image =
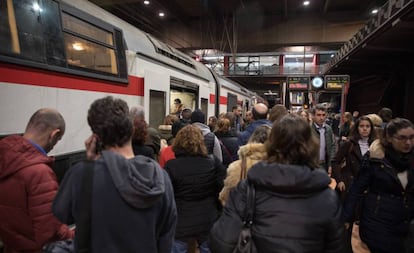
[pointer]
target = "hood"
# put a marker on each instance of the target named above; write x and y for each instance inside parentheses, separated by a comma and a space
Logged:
(376, 150)
(17, 153)
(254, 151)
(203, 127)
(140, 180)
(294, 180)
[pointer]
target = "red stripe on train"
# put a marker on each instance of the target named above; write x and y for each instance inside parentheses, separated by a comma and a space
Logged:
(223, 100)
(38, 77)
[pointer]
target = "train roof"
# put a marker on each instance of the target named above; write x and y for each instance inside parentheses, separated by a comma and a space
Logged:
(143, 44)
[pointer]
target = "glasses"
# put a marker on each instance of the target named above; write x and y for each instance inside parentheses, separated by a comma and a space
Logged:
(403, 138)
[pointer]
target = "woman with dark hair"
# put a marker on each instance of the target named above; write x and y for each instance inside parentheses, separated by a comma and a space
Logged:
(139, 138)
(197, 180)
(387, 174)
(348, 159)
(295, 210)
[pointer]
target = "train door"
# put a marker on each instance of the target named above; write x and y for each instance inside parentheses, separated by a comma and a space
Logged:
(204, 106)
(185, 91)
(157, 108)
(231, 101)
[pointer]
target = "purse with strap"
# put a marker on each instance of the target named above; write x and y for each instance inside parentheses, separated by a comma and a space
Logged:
(245, 243)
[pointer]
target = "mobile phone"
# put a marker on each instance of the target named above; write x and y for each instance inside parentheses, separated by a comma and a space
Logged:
(98, 146)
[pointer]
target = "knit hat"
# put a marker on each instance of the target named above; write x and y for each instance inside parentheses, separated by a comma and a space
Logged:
(198, 116)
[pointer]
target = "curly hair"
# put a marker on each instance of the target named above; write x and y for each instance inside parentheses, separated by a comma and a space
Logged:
(190, 140)
(291, 142)
(110, 120)
(140, 134)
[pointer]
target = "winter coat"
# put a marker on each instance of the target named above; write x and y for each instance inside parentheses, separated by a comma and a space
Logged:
(253, 153)
(330, 146)
(245, 135)
(295, 211)
(229, 147)
(387, 207)
(133, 208)
(351, 151)
(27, 189)
(197, 181)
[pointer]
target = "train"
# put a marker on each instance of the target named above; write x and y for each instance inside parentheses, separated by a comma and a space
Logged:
(65, 54)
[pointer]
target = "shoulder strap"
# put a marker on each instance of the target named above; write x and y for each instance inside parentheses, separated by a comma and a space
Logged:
(243, 171)
(226, 150)
(250, 205)
(83, 227)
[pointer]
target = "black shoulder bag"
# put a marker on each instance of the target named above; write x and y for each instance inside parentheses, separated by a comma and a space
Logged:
(245, 243)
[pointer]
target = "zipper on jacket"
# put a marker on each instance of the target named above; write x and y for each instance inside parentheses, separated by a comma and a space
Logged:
(377, 204)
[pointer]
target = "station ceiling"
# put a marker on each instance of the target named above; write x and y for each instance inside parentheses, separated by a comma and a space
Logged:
(376, 56)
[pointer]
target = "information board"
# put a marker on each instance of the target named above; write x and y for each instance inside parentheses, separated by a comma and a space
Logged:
(336, 82)
(298, 82)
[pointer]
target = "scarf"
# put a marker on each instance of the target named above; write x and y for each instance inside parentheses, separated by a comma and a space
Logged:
(400, 161)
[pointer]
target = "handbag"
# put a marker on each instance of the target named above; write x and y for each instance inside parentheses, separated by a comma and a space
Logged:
(83, 228)
(245, 243)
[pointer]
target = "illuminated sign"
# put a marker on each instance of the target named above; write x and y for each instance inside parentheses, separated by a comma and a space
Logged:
(298, 82)
(336, 82)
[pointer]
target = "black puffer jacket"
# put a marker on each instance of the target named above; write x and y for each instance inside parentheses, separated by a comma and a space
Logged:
(197, 182)
(296, 211)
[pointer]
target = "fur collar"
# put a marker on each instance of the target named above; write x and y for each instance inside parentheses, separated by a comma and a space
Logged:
(251, 148)
(376, 150)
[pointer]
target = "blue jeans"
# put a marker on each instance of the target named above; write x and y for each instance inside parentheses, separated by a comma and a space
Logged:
(182, 247)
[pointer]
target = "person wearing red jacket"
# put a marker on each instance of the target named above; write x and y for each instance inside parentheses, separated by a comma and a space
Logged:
(28, 185)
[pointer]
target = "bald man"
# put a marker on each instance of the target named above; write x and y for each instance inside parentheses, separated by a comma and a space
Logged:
(259, 117)
(28, 185)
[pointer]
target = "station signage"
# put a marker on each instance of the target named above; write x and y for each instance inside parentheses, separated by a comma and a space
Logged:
(336, 82)
(298, 82)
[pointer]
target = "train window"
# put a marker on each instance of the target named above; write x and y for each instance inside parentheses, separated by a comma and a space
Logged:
(56, 36)
(88, 46)
(31, 31)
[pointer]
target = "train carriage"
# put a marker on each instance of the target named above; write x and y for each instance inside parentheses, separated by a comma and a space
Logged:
(65, 54)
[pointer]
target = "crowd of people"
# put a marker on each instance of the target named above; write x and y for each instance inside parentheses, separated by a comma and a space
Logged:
(317, 182)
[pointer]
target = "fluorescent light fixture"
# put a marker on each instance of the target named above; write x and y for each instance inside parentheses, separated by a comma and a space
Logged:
(306, 3)
(146, 2)
(332, 55)
(374, 11)
(161, 14)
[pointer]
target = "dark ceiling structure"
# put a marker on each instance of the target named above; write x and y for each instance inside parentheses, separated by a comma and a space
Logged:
(216, 15)
(374, 53)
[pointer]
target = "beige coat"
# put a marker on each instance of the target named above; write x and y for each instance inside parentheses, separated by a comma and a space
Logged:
(253, 153)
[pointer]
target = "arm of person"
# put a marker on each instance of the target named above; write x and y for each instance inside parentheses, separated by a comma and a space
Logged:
(335, 232)
(225, 232)
(217, 149)
(41, 192)
(167, 220)
(358, 186)
(337, 162)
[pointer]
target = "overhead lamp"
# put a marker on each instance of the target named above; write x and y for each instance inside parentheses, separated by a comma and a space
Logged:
(306, 3)
(374, 11)
(146, 2)
(161, 14)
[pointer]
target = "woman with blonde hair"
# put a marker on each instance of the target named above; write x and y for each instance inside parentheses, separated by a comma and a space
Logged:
(251, 153)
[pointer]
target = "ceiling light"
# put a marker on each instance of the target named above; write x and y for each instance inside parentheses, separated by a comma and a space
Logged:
(374, 11)
(78, 46)
(306, 3)
(146, 2)
(161, 14)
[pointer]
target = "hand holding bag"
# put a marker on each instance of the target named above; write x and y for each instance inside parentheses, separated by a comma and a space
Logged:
(245, 243)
